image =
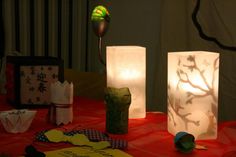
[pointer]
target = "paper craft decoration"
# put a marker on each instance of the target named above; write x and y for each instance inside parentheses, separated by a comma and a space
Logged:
(61, 111)
(193, 93)
(86, 151)
(17, 121)
(29, 79)
(92, 134)
(117, 110)
(126, 67)
(77, 139)
(184, 142)
(62, 93)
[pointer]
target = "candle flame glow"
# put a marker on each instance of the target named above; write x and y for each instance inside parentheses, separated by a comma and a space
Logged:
(129, 74)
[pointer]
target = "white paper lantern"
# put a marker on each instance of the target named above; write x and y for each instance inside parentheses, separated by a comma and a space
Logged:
(193, 93)
(126, 67)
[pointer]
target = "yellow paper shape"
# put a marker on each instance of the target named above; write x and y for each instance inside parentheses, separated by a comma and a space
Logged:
(79, 139)
(99, 145)
(55, 136)
(86, 151)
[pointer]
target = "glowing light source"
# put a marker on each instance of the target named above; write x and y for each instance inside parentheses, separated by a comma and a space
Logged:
(193, 93)
(126, 67)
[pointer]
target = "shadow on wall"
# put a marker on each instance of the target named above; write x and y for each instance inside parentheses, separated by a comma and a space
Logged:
(87, 84)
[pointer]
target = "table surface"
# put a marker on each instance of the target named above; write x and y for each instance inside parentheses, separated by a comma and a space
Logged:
(147, 137)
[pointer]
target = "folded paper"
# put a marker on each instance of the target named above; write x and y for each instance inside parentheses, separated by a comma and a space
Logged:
(62, 93)
(184, 142)
(17, 121)
(86, 152)
(61, 111)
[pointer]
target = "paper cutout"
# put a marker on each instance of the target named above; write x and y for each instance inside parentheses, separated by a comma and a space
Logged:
(184, 142)
(200, 147)
(55, 135)
(62, 93)
(61, 111)
(17, 121)
(92, 134)
(86, 151)
(100, 145)
(77, 139)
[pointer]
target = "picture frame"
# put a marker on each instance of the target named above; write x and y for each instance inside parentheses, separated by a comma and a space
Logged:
(29, 78)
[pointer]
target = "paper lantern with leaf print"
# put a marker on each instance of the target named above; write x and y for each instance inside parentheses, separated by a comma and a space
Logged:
(193, 93)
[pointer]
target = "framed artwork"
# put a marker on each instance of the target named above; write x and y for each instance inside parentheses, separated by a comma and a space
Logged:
(29, 80)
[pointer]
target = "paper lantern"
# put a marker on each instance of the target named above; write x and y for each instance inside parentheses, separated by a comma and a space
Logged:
(126, 67)
(193, 93)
